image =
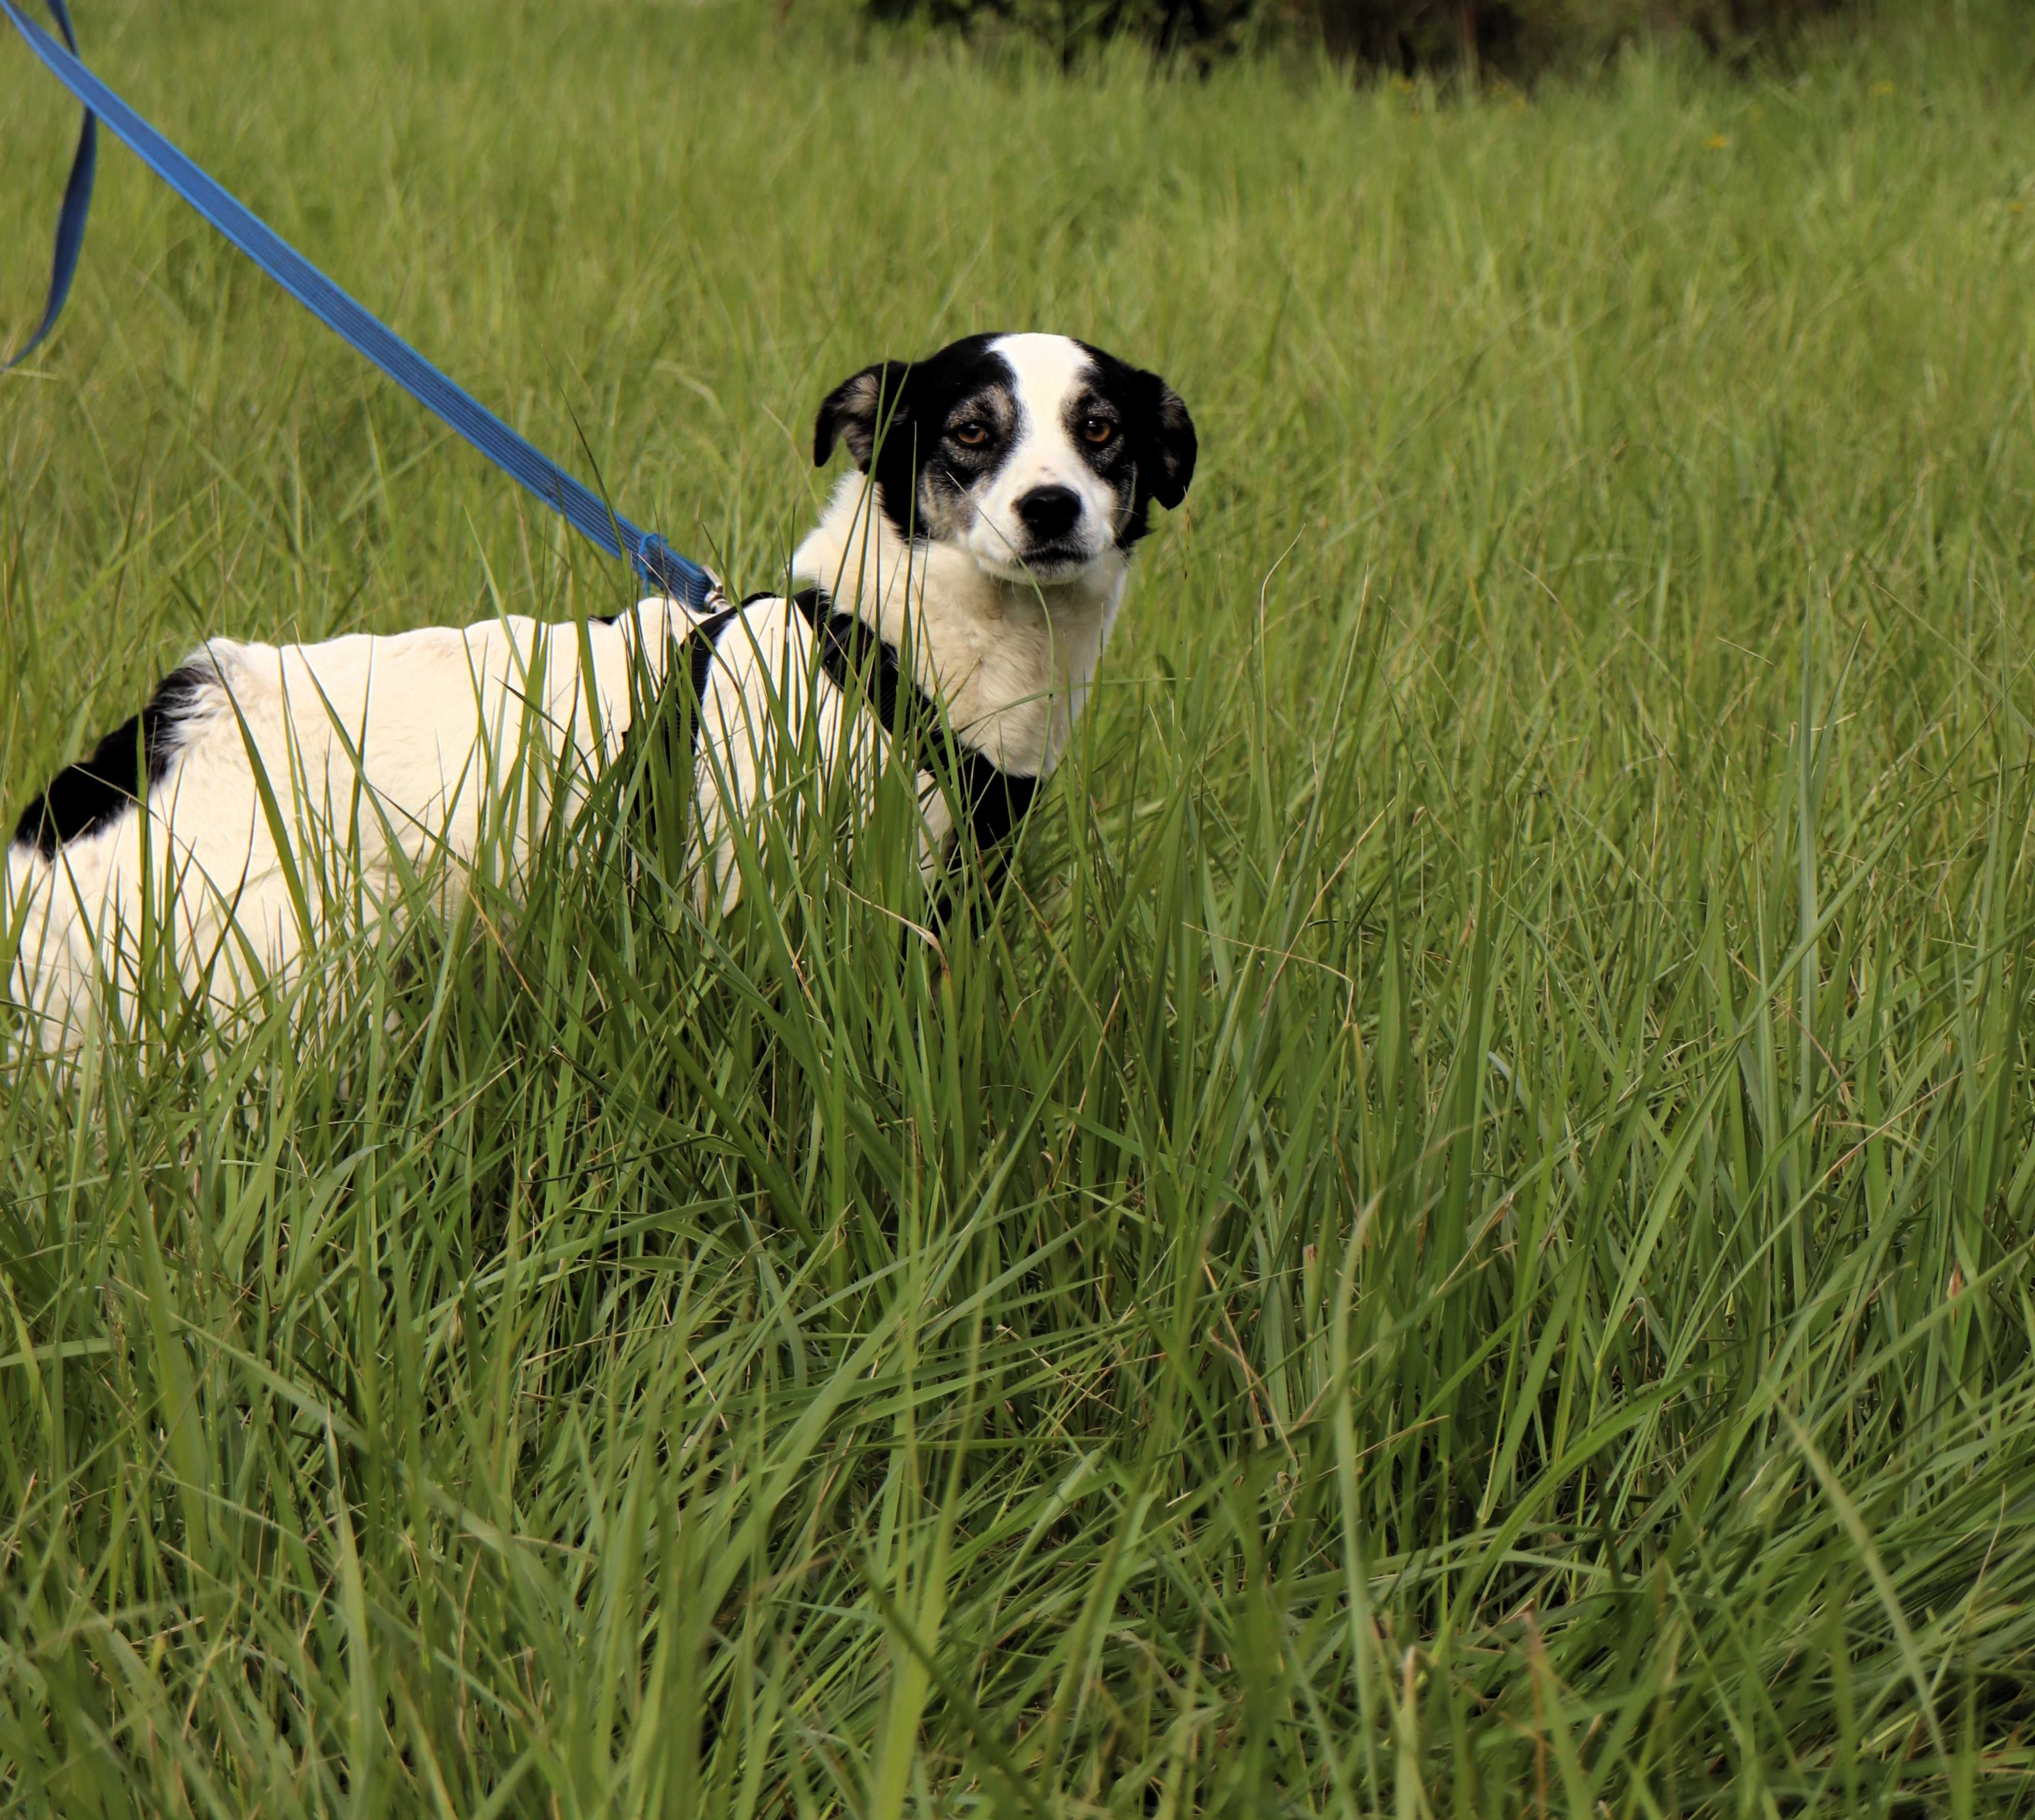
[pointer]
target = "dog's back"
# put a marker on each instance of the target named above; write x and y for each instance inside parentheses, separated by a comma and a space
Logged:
(262, 782)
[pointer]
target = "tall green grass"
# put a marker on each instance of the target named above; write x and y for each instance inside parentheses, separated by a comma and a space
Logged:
(1461, 1247)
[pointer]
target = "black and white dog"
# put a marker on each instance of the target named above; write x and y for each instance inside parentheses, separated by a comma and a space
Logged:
(975, 561)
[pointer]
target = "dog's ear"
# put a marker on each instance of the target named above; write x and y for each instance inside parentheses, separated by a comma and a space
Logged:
(857, 410)
(1171, 436)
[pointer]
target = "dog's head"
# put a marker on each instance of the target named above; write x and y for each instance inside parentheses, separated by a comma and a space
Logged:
(1037, 455)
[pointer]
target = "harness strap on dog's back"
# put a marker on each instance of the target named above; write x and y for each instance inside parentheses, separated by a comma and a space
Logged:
(657, 564)
(995, 801)
(702, 641)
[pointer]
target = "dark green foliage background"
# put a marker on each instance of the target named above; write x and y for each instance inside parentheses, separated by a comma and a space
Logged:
(1521, 37)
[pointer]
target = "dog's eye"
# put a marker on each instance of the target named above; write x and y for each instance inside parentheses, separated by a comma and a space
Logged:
(1096, 431)
(970, 435)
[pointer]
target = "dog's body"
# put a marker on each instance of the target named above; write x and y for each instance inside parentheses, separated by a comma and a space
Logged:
(976, 559)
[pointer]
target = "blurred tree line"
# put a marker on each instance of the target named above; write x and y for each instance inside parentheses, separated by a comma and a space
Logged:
(1514, 36)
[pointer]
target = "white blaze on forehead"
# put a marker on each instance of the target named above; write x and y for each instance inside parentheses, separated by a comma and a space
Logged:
(1048, 373)
(1049, 370)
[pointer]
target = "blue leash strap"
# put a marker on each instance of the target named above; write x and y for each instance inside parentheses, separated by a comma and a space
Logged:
(659, 567)
(76, 205)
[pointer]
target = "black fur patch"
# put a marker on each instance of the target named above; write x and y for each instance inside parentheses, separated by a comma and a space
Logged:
(894, 417)
(1154, 456)
(84, 798)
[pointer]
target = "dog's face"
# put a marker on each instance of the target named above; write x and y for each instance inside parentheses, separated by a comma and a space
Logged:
(1038, 455)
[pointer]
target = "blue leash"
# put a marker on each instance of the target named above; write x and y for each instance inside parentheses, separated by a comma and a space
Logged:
(659, 567)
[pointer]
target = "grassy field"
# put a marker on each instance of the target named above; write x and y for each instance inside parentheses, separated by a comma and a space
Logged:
(1463, 1246)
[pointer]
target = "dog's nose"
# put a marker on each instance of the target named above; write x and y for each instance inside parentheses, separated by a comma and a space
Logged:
(1050, 513)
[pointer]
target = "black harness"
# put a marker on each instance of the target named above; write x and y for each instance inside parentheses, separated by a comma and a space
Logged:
(992, 802)
(989, 802)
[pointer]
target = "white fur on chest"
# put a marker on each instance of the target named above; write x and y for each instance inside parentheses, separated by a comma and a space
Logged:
(1012, 662)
